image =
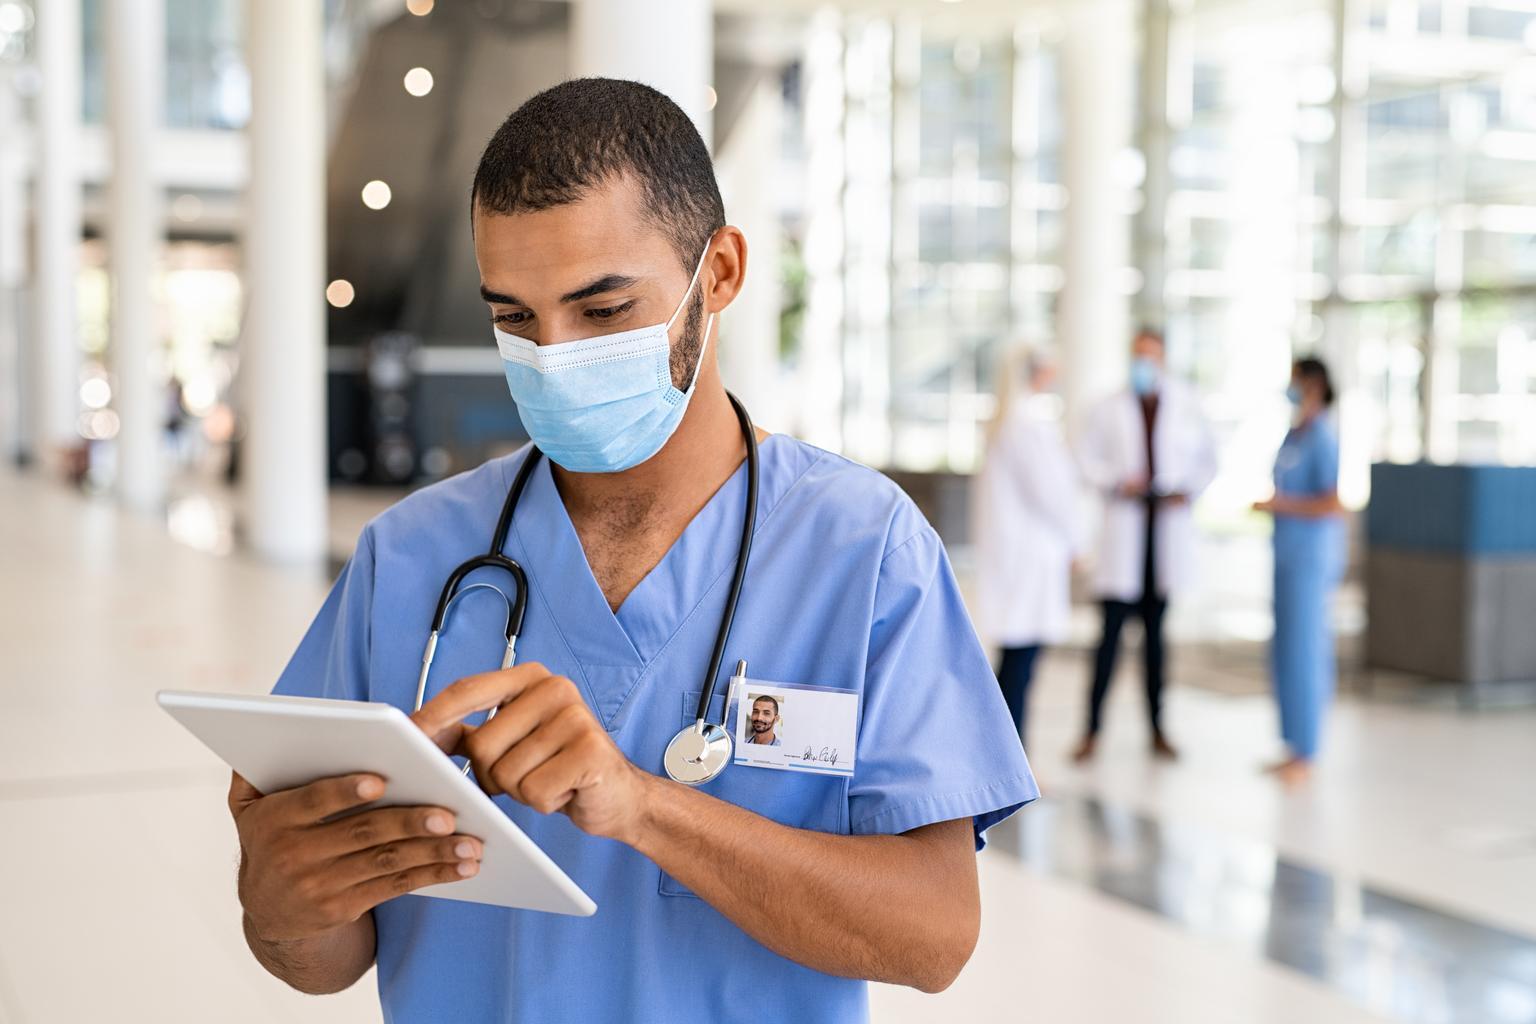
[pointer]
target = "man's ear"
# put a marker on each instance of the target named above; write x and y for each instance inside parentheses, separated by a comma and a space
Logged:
(726, 268)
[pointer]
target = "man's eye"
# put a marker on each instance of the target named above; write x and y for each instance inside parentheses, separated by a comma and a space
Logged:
(510, 319)
(609, 312)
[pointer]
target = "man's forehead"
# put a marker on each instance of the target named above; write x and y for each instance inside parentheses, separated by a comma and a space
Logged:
(563, 247)
(564, 273)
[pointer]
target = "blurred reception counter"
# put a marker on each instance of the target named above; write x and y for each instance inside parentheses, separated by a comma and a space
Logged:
(1451, 572)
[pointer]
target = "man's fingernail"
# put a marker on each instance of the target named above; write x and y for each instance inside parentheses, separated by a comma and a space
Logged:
(467, 868)
(369, 788)
(439, 824)
(465, 849)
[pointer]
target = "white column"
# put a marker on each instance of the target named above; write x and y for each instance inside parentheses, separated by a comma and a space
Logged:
(1093, 321)
(135, 99)
(1150, 244)
(1262, 258)
(55, 355)
(749, 330)
(671, 50)
(818, 388)
(13, 231)
(283, 344)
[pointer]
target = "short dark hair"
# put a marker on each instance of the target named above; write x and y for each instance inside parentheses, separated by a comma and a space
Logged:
(1310, 368)
(566, 141)
(770, 700)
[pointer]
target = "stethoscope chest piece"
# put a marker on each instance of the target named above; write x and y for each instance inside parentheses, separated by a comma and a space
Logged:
(698, 754)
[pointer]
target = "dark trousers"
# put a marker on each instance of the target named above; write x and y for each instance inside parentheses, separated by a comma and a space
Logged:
(1150, 610)
(1014, 673)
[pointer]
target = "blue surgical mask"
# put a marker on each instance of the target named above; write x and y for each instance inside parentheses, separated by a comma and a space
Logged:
(1294, 396)
(604, 404)
(1146, 375)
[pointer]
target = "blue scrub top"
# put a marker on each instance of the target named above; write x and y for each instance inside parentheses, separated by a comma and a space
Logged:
(848, 587)
(1308, 467)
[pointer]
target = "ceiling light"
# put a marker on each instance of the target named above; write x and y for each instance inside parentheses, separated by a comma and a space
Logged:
(376, 195)
(340, 293)
(13, 18)
(418, 81)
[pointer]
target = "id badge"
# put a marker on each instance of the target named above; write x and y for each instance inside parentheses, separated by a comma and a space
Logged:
(795, 727)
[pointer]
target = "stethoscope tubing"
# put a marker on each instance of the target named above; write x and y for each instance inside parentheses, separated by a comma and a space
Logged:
(517, 605)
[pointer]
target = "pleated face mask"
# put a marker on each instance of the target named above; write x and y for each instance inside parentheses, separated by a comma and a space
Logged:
(604, 404)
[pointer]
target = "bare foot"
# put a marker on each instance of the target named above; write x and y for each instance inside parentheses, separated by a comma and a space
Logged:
(1293, 771)
(1162, 749)
(1084, 750)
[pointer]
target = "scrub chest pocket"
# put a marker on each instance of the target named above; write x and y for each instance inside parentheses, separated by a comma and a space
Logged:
(797, 799)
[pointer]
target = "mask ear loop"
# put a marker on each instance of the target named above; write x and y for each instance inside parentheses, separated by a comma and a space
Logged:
(709, 321)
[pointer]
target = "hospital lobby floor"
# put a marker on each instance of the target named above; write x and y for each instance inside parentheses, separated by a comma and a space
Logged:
(1399, 885)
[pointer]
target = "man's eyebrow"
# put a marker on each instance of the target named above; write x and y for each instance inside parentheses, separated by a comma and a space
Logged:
(607, 283)
(498, 298)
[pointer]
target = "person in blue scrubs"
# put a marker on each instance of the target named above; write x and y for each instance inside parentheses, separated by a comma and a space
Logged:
(599, 229)
(1309, 547)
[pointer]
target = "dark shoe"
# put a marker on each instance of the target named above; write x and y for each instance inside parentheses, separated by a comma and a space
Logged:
(1162, 749)
(1084, 750)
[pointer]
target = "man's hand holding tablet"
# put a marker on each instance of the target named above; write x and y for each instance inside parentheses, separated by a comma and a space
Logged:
(302, 873)
(308, 882)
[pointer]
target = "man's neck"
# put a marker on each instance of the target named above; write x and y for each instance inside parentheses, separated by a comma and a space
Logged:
(701, 455)
(628, 521)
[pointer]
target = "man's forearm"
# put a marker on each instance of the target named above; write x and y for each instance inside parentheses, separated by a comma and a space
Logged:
(321, 965)
(898, 908)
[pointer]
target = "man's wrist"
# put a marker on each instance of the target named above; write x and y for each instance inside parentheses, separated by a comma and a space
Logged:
(649, 793)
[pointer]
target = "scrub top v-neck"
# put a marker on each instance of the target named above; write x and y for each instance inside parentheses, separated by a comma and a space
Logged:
(848, 588)
(612, 649)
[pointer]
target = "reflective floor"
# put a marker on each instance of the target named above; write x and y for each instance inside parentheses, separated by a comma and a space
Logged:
(1401, 885)
(1399, 957)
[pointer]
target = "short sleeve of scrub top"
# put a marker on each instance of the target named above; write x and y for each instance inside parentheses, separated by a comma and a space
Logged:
(332, 659)
(1324, 460)
(932, 745)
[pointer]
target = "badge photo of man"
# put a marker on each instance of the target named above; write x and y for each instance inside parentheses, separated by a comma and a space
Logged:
(763, 726)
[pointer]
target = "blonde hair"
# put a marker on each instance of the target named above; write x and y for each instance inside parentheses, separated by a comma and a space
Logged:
(1017, 367)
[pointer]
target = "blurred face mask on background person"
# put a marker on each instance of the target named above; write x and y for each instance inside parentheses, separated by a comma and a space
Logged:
(603, 404)
(1146, 375)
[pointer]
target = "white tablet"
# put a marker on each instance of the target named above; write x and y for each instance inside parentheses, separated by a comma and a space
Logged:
(278, 743)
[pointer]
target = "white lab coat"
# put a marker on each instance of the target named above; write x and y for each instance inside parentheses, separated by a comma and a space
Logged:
(1027, 531)
(1112, 450)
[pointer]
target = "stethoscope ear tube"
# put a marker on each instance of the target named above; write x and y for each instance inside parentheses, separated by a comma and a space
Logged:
(518, 604)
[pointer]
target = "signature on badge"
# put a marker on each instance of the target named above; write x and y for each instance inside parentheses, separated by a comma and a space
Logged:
(827, 755)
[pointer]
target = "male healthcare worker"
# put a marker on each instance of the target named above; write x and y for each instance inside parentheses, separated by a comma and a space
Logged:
(763, 727)
(1149, 453)
(595, 212)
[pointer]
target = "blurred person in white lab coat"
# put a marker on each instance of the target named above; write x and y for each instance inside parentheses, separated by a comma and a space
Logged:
(1148, 452)
(1027, 527)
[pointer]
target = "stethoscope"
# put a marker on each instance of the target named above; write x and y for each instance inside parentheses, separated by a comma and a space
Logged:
(700, 751)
